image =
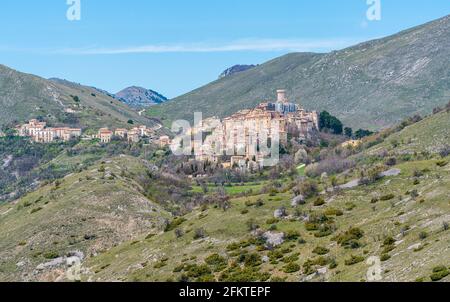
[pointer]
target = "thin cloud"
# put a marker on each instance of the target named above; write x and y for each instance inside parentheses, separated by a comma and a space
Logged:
(257, 45)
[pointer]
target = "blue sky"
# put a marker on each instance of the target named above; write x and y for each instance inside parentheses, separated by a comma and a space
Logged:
(174, 46)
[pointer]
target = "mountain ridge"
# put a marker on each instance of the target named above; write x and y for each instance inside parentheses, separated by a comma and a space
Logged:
(139, 97)
(372, 85)
(25, 96)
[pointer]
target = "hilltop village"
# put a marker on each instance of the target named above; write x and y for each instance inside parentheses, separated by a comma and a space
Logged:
(40, 133)
(242, 140)
(244, 134)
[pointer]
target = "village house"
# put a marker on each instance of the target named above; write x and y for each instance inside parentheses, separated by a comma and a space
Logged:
(38, 132)
(105, 135)
(244, 133)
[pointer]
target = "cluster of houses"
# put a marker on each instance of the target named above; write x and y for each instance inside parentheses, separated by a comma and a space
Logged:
(244, 134)
(132, 136)
(40, 133)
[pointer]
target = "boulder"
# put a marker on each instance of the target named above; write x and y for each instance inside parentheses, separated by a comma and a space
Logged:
(279, 213)
(298, 200)
(274, 239)
(301, 156)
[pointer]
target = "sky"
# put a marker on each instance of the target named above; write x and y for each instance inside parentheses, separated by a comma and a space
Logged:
(175, 46)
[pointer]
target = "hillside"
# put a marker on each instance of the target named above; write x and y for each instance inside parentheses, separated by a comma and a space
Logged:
(138, 97)
(371, 85)
(25, 96)
(83, 214)
(400, 219)
(115, 214)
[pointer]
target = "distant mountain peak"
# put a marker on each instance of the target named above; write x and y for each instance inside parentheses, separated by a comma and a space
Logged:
(235, 69)
(140, 97)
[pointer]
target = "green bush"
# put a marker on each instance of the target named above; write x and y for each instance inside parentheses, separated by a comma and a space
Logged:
(439, 273)
(174, 224)
(354, 260)
(348, 238)
(291, 268)
(319, 202)
(387, 197)
(389, 241)
(321, 251)
(385, 257)
(291, 235)
(333, 212)
(217, 262)
(51, 255)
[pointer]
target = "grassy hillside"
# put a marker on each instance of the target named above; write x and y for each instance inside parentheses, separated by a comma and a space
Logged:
(402, 220)
(104, 210)
(167, 257)
(371, 85)
(89, 212)
(24, 96)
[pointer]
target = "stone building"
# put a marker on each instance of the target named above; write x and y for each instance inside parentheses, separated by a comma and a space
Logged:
(38, 132)
(105, 135)
(248, 133)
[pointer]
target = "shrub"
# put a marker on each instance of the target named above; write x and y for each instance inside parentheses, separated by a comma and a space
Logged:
(439, 273)
(51, 255)
(319, 202)
(218, 262)
(354, 260)
(308, 188)
(389, 241)
(392, 161)
(250, 260)
(199, 233)
(423, 235)
(333, 212)
(387, 197)
(292, 235)
(291, 268)
(385, 257)
(174, 224)
(321, 251)
(333, 165)
(272, 221)
(35, 210)
(441, 163)
(350, 238)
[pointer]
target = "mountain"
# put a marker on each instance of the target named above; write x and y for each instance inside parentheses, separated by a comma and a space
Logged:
(138, 97)
(25, 96)
(371, 85)
(235, 69)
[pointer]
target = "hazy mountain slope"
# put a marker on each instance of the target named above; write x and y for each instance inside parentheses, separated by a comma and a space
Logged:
(138, 97)
(86, 212)
(372, 85)
(25, 96)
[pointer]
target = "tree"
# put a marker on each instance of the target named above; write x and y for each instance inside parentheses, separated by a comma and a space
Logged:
(361, 133)
(130, 122)
(348, 132)
(329, 122)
